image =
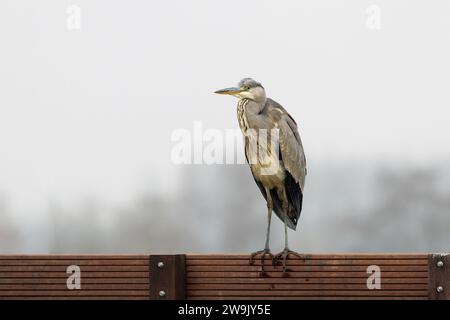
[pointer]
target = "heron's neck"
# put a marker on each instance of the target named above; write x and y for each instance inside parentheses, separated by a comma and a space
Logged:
(252, 107)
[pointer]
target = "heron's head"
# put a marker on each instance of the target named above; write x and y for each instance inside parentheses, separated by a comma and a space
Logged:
(246, 89)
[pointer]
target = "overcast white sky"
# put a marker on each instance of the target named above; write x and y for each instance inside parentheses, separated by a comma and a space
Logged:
(91, 111)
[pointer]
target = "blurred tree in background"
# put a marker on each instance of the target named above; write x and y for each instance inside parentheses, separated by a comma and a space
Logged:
(220, 209)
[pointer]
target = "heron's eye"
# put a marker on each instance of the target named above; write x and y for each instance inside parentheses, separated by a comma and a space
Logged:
(246, 88)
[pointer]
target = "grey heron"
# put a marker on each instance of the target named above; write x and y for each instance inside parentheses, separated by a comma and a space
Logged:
(274, 151)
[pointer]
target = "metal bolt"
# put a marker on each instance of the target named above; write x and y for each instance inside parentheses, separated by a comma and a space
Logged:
(162, 293)
(440, 264)
(440, 289)
(160, 264)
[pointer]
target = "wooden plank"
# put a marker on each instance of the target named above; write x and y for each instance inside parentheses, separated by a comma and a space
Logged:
(73, 257)
(77, 298)
(291, 268)
(439, 281)
(87, 274)
(85, 280)
(70, 293)
(78, 262)
(344, 256)
(221, 276)
(231, 274)
(85, 286)
(84, 269)
(311, 262)
(288, 280)
(290, 286)
(103, 277)
(167, 277)
(315, 276)
(307, 298)
(307, 293)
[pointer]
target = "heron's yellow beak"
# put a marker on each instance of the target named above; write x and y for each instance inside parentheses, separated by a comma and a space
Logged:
(233, 90)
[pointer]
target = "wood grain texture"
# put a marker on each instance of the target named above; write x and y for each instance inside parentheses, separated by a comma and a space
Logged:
(169, 277)
(439, 269)
(343, 256)
(314, 276)
(73, 257)
(102, 277)
(308, 298)
(223, 276)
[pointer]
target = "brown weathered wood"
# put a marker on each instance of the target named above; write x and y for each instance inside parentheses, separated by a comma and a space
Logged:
(73, 257)
(86, 286)
(85, 280)
(71, 293)
(89, 268)
(292, 268)
(312, 262)
(86, 268)
(289, 280)
(307, 293)
(307, 298)
(78, 298)
(315, 276)
(168, 278)
(68, 262)
(254, 274)
(344, 256)
(102, 277)
(290, 286)
(223, 276)
(439, 277)
(87, 274)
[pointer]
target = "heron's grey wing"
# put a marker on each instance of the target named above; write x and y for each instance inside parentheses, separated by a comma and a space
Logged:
(294, 161)
(291, 147)
(291, 150)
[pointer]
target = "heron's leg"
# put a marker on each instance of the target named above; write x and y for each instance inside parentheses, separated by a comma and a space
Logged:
(269, 218)
(286, 244)
(283, 255)
(266, 249)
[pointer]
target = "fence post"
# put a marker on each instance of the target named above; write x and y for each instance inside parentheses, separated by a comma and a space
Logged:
(439, 277)
(167, 277)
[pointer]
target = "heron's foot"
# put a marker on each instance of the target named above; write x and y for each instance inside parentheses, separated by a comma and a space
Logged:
(283, 255)
(263, 254)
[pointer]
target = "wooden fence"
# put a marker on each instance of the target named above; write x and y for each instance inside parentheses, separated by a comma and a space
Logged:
(192, 276)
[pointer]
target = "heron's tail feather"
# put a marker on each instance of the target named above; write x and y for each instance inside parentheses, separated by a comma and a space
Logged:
(295, 198)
